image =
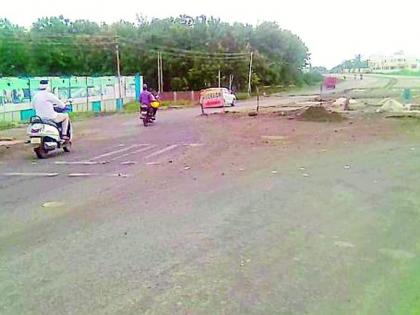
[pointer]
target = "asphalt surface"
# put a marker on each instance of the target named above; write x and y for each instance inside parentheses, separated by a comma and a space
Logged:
(214, 215)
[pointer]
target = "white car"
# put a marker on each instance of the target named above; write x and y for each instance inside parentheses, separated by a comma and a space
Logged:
(229, 97)
(217, 97)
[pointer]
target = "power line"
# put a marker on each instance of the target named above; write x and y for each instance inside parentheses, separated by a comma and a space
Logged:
(205, 57)
(54, 40)
(183, 55)
(186, 51)
(57, 43)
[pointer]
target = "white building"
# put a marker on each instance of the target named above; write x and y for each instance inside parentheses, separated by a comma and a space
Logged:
(396, 62)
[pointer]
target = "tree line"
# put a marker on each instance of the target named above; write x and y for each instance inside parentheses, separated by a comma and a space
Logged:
(353, 65)
(193, 50)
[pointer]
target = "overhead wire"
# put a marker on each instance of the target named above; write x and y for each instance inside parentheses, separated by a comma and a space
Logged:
(186, 51)
(181, 55)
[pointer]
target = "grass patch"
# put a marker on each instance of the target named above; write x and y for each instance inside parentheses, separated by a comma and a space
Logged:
(240, 96)
(78, 116)
(407, 73)
(9, 125)
(376, 93)
(178, 103)
(133, 107)
(275, 89)
(74, 116)
(269, 90)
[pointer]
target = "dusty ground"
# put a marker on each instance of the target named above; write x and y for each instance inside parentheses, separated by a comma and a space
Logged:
(240, 215)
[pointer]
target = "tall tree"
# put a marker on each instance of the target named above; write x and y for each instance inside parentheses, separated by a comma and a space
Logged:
(194, 49)
(13, 49)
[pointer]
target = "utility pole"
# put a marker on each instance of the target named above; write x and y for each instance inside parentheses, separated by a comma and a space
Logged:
(158, 64)
(219, 78)
(230, 82)
(250, 73)
(161, 72)
(117, 52)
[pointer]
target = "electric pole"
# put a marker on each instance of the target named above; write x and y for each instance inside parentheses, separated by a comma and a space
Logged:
(250, 73)
(161, 73)
(158, 69)
(117, 52)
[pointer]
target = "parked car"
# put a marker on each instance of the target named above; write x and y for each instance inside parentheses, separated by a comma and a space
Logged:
(217, 97)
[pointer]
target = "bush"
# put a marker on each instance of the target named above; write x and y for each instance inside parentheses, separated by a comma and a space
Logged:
(242, 96)
(311, 78)
(268, 90)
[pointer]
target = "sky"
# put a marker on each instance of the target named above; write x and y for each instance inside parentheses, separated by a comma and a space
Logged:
(332, 30)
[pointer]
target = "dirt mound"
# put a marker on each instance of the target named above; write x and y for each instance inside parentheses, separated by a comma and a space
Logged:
(319, 113)
(390, 105)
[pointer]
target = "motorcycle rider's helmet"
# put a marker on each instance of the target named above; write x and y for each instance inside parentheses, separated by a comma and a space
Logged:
(43, 84)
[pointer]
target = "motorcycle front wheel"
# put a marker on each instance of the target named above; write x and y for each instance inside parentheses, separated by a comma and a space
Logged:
(40, 152)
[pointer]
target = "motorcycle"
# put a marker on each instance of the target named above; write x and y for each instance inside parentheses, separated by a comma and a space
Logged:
(45, 135)
(148, 113)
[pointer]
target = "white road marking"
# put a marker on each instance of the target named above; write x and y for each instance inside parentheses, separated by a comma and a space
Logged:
(153, 163)
(117, 151)
(128, 163)
(133, 152)
(77, 163)
(97, 174)
(69, 175)
(114, 156)
(32, 174)
(118, 175)
(79, 174)
(193, 145)
(53, 204)
(171, 147)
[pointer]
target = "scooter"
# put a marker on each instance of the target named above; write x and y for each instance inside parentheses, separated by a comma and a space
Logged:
(45, 135)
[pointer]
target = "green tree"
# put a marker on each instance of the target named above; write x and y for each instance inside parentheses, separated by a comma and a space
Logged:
(194, 49)
(14, 49)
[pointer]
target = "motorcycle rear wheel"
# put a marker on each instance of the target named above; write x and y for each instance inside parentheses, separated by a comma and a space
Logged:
(67, 147)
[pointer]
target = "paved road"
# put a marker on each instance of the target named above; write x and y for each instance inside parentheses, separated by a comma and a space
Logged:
(349, 88)
(214, 215)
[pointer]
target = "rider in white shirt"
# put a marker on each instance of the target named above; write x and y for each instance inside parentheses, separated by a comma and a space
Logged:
(44, 103)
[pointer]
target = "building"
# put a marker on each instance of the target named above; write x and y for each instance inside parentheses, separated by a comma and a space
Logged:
(394, 63)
